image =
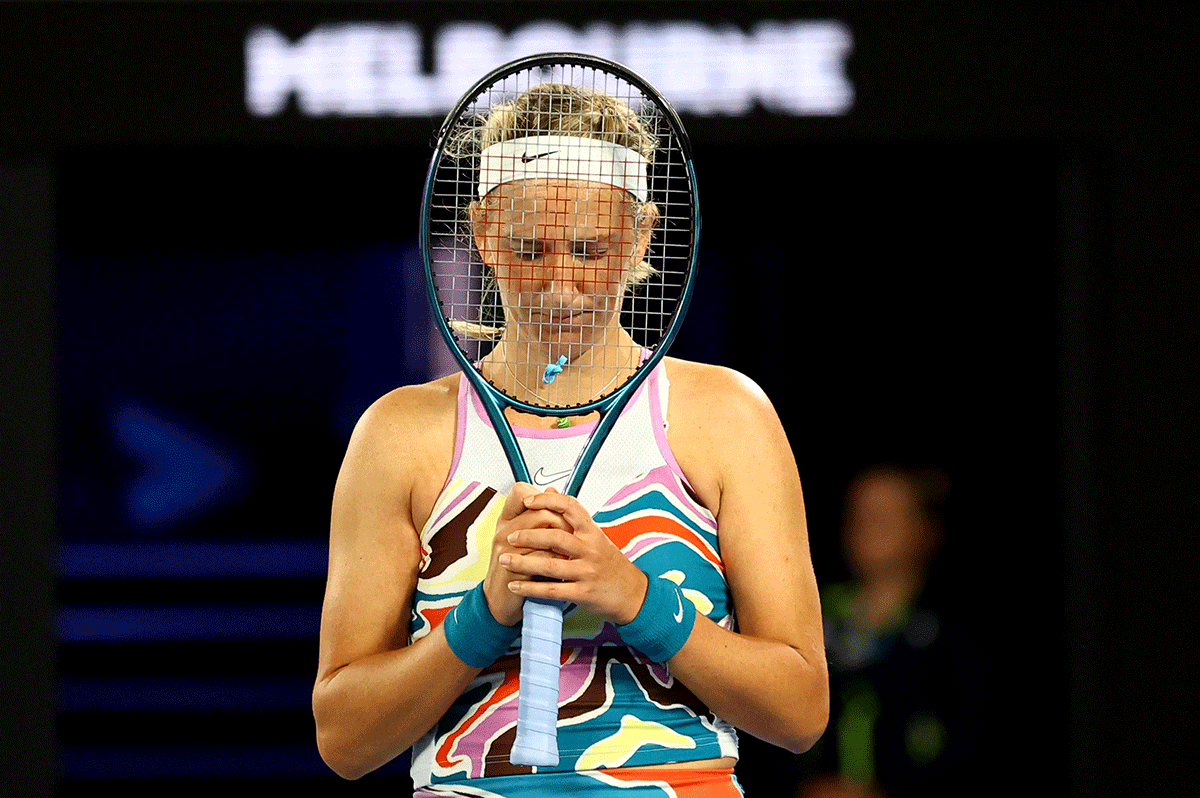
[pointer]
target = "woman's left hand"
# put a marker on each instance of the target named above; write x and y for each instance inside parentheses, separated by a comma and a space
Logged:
(595, 575)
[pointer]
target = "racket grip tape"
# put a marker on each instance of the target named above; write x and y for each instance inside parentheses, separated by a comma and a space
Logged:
(536, 743)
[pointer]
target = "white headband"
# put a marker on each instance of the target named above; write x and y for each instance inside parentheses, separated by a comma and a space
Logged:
(563, 158)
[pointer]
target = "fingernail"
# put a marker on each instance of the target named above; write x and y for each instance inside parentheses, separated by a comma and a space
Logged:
(512, 538)
(505, 559)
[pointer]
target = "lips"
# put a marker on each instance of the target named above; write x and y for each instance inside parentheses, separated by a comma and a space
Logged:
(562, 318)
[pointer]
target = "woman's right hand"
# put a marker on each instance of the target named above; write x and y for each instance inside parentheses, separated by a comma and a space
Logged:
(505, 605)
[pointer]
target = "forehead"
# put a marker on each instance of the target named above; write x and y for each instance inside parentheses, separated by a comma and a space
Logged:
(883, 493)
(567, 203)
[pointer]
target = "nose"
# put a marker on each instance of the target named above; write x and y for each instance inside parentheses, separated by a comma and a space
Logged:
(561, 275)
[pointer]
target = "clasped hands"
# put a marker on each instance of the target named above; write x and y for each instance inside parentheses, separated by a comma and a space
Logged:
(549, 535)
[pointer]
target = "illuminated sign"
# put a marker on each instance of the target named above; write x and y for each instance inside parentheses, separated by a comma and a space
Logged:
(364, 69)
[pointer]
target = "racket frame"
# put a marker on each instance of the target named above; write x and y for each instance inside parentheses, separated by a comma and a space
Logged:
(609, 407)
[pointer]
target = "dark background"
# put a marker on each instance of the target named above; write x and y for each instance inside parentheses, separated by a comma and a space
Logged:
(989, 265)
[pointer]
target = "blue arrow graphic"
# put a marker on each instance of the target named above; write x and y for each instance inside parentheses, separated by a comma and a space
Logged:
(182, 477)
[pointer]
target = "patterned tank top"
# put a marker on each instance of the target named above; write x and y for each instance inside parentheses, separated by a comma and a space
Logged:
(616, 708)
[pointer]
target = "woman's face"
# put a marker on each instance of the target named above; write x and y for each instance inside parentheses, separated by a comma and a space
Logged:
(561, 252)
(884, 530)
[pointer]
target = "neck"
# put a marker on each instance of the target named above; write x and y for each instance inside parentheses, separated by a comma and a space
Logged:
(531, 371)
(884, 596)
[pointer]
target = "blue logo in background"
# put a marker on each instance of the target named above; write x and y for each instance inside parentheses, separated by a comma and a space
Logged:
(182, 475)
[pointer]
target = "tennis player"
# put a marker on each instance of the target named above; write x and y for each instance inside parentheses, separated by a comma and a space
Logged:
(692, 608)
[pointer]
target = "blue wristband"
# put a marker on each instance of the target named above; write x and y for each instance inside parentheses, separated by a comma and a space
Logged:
(474, 634)
(664, 622)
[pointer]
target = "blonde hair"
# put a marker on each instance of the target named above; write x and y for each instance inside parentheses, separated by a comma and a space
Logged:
(564, 110)
(560, 109)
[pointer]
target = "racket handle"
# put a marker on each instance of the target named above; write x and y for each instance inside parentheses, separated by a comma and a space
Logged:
(537, 702)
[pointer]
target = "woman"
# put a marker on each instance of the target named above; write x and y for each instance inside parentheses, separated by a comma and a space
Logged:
(904, 669)
(692, 508)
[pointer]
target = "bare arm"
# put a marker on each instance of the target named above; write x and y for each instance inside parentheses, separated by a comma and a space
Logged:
(375, 695)
(769, 679)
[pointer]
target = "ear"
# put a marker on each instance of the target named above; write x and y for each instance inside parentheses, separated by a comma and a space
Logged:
(478, 215)
(646, 221)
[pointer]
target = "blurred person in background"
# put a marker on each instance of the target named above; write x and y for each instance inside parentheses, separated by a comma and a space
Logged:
(904, 678)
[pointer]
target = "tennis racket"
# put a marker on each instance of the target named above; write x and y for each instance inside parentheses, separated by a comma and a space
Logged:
(559, 232)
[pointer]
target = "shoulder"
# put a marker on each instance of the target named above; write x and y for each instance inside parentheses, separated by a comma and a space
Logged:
(701, 379)
(404, 441)
(415, 403)
(723, 428)
(716, 396)
(405, 412)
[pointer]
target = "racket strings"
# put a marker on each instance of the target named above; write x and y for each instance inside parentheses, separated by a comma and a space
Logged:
(556, 287)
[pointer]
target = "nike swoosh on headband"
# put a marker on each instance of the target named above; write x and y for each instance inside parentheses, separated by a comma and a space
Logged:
(526, 158)
(679, 615)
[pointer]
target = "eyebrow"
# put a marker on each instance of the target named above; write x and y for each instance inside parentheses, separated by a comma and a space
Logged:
(525, 241)
(536, 243)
